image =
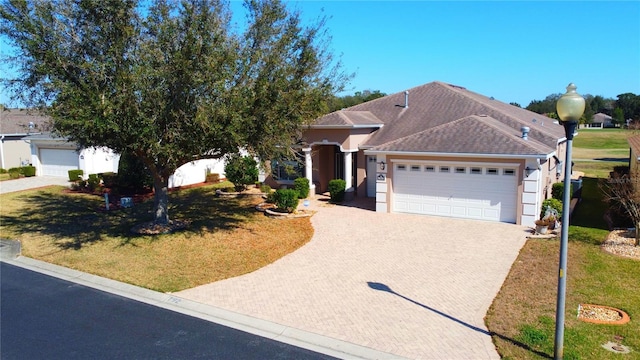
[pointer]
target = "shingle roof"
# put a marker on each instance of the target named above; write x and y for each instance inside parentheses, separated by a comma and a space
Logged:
(634, 143)
(16, 122)
(465, 136)
(435, 104)
(349, 118)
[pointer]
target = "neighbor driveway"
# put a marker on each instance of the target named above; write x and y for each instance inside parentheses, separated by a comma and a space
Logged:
(32, 182)
(414, 286)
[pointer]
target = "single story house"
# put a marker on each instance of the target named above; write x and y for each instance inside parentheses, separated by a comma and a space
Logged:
(599, 121)
(15, 125)
(55, 156)
(439, 149)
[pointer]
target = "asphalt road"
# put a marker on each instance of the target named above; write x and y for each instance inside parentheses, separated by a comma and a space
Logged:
(43, 317)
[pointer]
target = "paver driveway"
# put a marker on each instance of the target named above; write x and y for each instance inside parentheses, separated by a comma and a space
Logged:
(415, 286)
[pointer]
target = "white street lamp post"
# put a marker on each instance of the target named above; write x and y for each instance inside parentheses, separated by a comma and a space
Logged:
(570, 108)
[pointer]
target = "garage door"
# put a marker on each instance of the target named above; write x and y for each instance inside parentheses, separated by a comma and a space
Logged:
(468, 191)
(57, 162)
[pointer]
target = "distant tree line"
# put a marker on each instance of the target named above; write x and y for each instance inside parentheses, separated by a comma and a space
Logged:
(343, 102)
(626, 106)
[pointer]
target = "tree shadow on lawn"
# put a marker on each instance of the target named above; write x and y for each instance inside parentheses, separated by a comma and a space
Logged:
(75, 220)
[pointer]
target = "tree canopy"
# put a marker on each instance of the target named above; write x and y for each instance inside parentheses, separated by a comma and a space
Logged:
(170, 82)
(343, 102)
(627, 106)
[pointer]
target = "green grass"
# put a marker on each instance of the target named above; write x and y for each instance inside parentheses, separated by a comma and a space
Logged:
(602, 139)
(597, 151)
(522, 316)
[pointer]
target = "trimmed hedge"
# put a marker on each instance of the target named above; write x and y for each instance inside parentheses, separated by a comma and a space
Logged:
(286, 199)
(75, 175)
(301, 185)
(29, 171)
(337, 188)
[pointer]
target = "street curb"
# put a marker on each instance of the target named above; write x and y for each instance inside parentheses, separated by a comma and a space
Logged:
(267, 329)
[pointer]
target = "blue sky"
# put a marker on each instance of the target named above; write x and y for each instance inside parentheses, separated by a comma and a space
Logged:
(511, 50)
(515, 51)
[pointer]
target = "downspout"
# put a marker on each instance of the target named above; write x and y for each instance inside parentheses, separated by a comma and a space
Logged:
(2, 152)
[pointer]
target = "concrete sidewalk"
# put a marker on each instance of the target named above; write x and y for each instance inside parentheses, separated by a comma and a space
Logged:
(32, 182)
(414, 286)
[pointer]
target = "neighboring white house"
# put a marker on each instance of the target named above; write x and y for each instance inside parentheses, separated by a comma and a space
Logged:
(56, 156)
(53, 156)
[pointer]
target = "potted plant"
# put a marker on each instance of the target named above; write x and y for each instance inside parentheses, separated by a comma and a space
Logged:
(543, 225)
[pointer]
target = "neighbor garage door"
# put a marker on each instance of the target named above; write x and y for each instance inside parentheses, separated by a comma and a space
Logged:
(468, 191)
(57, 162)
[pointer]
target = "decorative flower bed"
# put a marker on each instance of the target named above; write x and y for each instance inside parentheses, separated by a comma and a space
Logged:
(600, 314)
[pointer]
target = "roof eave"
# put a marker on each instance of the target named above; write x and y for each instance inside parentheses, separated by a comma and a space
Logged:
(464, 155)
(342, 127)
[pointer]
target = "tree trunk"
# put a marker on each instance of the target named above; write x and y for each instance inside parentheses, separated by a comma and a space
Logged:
(637, 234)
(161, 199)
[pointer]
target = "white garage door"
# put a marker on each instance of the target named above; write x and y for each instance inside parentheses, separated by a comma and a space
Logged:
(470, 191)
(57, 162)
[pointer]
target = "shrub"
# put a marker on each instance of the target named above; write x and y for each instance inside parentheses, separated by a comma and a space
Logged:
(554, 204)
(75, 175)
(265, 189)
(557, 190)
(133, 175)
(301, 185)
(93, 183)
(3, 171)
(14, 173)
(212, 178)
(336, 190)
(286, 199)
(109, 179)
(29, 171)
(241, 170)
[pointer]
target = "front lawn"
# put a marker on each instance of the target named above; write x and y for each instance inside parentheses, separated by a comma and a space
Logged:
(226, 238)
(522, 316)
(597, 151)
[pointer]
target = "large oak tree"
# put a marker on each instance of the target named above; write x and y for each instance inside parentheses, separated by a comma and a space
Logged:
(170, 82)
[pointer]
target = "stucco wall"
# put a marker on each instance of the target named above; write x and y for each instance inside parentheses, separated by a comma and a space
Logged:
(14, 152)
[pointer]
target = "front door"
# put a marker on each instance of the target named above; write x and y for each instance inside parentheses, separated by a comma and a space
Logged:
(371, 176)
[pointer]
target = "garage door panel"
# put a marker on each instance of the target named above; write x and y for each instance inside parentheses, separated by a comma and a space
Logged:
(58, 162)
(476, 196)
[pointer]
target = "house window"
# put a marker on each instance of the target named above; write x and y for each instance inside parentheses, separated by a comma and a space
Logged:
(444, 169)
(476, 170)
(509, 172)
(286, 170)
(415, 167)
(492, 171)
(401, 167)
(461, 170)
(430, 168)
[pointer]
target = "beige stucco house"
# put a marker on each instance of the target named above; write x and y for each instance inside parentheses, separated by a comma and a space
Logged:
(439, 149)
(15, 125)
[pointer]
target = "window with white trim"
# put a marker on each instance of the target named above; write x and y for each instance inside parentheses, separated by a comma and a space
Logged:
(415, 167)
(401, 167)
(509, 172)
(461, 170)
(429, 168)
(476, 171)
(492, 171)
(444, 169)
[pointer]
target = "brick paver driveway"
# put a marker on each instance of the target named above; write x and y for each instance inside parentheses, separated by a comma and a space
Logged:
(415, 286)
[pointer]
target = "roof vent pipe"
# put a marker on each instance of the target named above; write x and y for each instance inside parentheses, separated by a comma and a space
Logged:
(525, 132)
(406, 99)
